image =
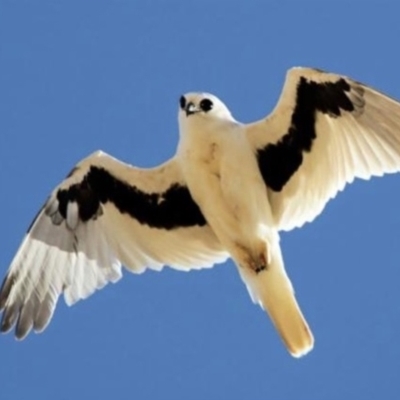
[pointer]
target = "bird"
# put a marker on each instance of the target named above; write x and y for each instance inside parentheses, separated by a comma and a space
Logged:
(228, 192)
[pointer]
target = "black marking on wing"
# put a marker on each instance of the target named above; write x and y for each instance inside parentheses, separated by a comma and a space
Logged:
(278, 162)
(171, 209)
(70, 173)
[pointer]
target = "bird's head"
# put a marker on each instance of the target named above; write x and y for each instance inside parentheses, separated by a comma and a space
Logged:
(202, 107)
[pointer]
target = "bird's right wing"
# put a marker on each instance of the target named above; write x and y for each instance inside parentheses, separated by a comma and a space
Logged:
(103, 214)
(325, 131)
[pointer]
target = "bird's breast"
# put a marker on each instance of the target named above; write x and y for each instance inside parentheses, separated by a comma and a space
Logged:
(228, 167)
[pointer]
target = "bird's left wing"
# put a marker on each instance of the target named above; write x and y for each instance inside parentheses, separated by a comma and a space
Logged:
(325, 130)
(103, 214)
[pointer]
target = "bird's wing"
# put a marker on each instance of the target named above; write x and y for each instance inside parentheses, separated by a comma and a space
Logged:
(325, 130)
(103, 214)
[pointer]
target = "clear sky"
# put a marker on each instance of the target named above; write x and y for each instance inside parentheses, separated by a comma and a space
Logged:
(76, 76)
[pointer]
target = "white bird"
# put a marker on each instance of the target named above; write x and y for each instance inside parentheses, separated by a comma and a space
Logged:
(228, 191)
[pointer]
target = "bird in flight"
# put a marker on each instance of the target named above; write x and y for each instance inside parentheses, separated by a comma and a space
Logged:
(228, 192)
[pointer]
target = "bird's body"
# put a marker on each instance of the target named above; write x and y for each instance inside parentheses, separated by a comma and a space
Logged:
(219, 167)
(228, 192)
(222, 174)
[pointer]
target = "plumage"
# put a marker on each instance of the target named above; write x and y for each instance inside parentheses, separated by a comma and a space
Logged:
(228, 192)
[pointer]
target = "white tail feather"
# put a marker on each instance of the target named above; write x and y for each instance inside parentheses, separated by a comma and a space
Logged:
(272, 289)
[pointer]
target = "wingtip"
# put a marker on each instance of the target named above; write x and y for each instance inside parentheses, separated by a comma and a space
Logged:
(10, 315)
(22, 332)
(5, 290)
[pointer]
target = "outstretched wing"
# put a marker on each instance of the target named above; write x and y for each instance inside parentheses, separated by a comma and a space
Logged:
(325, 131)
(105, 213)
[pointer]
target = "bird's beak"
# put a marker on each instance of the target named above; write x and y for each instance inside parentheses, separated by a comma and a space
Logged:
(191, 109)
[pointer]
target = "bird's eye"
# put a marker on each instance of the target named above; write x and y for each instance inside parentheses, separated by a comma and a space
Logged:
(182, 102)
(206, 105)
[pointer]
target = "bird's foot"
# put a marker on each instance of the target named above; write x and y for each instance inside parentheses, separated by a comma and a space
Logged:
(260, 264)
(257, 263)
(260, 268)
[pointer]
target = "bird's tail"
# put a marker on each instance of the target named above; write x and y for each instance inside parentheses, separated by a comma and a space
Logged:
(272, 289)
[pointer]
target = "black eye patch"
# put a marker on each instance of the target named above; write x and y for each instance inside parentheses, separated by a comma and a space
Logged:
(206, 105)
(182, 102)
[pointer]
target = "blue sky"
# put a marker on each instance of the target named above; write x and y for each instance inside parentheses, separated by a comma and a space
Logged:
(76, 76)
